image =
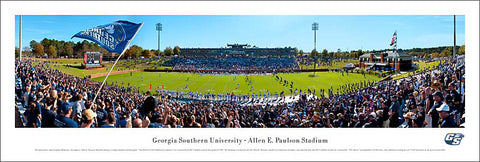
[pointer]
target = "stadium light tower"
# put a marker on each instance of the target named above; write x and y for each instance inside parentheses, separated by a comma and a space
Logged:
(159, 29)
(315, 28)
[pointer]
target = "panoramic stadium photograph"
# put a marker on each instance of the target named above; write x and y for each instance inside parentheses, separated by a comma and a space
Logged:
(239, 71)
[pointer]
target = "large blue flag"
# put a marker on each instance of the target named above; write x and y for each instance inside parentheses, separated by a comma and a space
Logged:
(114, 37)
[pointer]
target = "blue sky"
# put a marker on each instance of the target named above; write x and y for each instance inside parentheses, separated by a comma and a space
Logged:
(345, 32)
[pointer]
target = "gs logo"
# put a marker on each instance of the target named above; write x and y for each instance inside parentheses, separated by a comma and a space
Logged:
(453, 138)
(117, 31)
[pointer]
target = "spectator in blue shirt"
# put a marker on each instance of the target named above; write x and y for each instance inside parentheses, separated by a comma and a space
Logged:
(63, 119)
(394, 111)
(31, 115)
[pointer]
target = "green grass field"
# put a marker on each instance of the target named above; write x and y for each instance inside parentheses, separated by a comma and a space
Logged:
(76, 71)
(218, 83)
(228, 83)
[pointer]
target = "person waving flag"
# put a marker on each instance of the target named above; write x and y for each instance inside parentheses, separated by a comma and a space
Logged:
(114, 37)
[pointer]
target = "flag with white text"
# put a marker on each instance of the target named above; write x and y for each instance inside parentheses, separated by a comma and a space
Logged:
(114, 37)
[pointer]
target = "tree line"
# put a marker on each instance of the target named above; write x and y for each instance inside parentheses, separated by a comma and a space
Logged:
(56, 48)
(137, 51)
(433, 52)
(53, 48)
(337, 54)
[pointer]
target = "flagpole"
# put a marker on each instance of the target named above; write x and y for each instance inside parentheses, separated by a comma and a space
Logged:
(19, 41)
(113, 66)
(20, 38)
(395, 52)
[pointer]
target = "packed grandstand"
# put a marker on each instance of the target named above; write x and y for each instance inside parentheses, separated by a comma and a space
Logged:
(50, 98)
(237, 58)
(234, 64)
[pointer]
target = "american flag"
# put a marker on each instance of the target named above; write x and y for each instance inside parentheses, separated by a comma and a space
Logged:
(394, 39)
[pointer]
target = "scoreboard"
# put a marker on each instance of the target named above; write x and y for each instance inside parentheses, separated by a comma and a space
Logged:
(92, 59)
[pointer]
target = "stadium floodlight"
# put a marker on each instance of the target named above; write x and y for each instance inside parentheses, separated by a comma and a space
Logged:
(315, 28)
(159, 29)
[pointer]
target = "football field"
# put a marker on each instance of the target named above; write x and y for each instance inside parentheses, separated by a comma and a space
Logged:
(237, 84)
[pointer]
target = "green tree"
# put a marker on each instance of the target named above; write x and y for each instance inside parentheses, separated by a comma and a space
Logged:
(336, 54)
(17, 52)
(461, 50)
(84, 48)
(137, 51)
(168, 51)
(104, 51)
(81, 47)
(324, 53)
(68, 49)
(51, 51)
(46, 42)
(426, 55)
(26, 51)
(300, 52)
(33, 44)
(60, 46)
(351, 54)
(155, 52)
(448, 51)
(134, 51)
(147, 53)
(77, 47)
(314, 53)
(358, 53)
(176, 50)
(330, 54)
(39, 50)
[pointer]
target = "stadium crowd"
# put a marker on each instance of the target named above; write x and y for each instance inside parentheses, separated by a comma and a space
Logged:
(232, 63)
(49, 98)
